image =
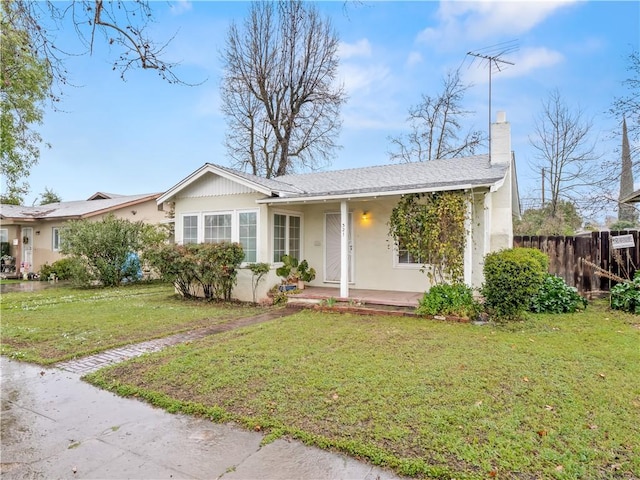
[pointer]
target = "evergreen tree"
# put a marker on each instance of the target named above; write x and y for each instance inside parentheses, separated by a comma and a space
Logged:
(626, 212)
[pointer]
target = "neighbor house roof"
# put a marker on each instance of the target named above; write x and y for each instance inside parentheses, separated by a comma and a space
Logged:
(450, 174)
(74, 209)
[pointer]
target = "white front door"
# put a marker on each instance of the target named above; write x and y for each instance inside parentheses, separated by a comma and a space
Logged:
(27, 249)
(332, 247)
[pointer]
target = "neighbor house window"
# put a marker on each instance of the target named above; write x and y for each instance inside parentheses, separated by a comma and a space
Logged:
(189, 229)
(217, 228)
(287, 234)
(4, 234)
(55, 239)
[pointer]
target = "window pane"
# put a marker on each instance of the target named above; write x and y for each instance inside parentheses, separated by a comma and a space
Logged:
(4, 234)
(247, 223)
(405, 257)
(190, 229)
(217, 228)
(279, 236)
(294, 237)
(55, 236)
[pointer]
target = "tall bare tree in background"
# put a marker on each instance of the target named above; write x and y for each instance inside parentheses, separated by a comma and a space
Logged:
(565, 152)
(278, 91)
(436, 125)
(628, 106)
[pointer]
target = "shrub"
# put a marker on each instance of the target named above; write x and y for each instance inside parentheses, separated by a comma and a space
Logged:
(445, 299)
(174, 264)
(512, 278)
(212, 266)
(626, 296)
(555, 296)
(63, 269)
(105, 247)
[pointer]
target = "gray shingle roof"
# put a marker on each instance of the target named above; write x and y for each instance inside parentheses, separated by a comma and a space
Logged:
(73, 209)
(451, 173)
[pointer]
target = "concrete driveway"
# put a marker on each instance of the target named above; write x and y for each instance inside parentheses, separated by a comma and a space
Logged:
(56, 426)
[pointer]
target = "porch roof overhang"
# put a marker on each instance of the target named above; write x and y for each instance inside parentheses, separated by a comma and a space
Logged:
(364, 195)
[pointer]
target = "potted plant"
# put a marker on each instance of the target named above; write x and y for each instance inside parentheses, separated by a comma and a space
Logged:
(305, 273)
(294, 274)
(289, 273)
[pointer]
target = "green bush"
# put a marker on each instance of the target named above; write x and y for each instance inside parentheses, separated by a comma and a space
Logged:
(104, 248)
(445, 299)
(63, 269)
(512, 278)
(212, 266)
(626, 296)
(555, 296)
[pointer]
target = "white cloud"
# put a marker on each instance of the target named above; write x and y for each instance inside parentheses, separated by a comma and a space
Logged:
(414, 58)
(362, 48)
(483, 20)
(358, 79)
(180, 6)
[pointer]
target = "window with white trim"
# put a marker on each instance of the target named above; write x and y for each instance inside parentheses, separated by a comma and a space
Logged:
(248, 235)
(4, 234)
(287, 236)
(217, 227)
(403, 257)
(55, 239)
(229, 226)
(189, 229)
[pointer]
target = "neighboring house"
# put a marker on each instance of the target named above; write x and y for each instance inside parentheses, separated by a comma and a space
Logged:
(338, 220)
(33, 233)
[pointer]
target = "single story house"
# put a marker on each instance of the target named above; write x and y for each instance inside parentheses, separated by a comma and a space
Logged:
(338, 220)
(32, 234)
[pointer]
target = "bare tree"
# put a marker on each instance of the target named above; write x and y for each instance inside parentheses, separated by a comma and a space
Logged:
(123, 24)
(628, 106)
(278, 92)
(565, 150)
(435, 125)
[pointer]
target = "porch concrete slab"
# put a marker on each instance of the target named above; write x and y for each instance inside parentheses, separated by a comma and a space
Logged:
(366, 296)
(53, 425)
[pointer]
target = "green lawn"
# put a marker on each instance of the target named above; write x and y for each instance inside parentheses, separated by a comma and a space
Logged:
(60, 323)
(552, 397)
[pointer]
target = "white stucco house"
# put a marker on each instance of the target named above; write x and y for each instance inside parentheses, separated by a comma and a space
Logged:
(338, 220)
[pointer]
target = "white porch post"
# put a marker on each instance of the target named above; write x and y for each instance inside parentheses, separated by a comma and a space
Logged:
(468, 247)
(344, 250)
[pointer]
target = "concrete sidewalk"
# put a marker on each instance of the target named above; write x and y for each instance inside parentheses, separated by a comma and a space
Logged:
(56, 426)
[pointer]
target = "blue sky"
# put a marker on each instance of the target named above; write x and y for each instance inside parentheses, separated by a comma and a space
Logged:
(144, 135)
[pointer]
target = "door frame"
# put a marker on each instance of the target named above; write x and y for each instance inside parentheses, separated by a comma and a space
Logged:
(337, 252)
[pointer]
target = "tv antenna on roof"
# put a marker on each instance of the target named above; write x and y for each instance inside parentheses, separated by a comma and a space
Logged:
(493, 57)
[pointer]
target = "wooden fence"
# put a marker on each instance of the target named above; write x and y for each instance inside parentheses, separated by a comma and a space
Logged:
(566, 255)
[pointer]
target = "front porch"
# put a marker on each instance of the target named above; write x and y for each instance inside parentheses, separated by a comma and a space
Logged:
(358, 296)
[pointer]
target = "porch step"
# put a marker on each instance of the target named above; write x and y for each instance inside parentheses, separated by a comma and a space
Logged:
(342, 306)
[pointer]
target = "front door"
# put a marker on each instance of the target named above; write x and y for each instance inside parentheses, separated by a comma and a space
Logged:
(27, 249)
(332, 247)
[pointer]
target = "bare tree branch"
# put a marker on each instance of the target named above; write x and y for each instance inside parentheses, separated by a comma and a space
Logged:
(278, 91)
(566, 151)
(435, 125)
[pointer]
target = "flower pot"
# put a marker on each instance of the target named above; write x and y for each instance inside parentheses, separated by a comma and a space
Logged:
(287, 288)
